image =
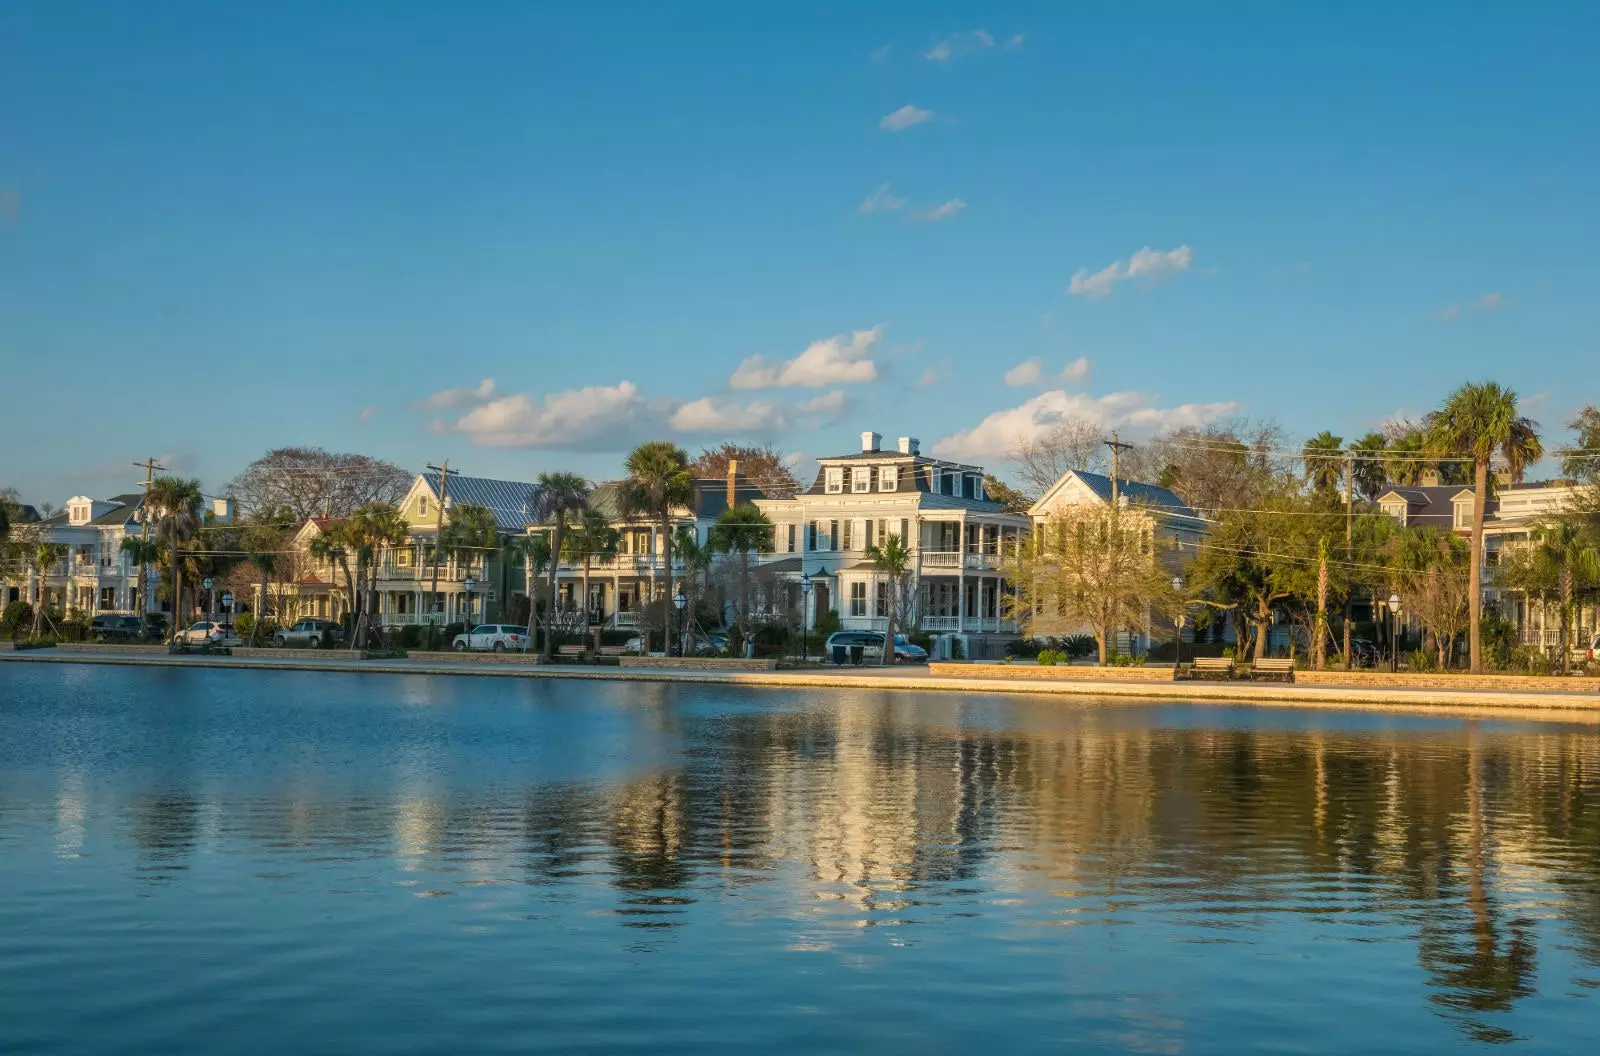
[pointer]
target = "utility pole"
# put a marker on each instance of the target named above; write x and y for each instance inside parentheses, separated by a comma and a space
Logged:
(438, 538)
(149, 466)
(1117, 447)
(1349, 548)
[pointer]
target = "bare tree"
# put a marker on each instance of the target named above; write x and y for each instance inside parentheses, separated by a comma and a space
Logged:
(312, 482)
(1224, 465)
(1071, 443)
(765, 467)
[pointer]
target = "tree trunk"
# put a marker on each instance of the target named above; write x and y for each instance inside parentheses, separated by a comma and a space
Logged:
(1100, 638)
(1566, 609)
(1263, 622)
(261, 607)
(666, 575)
(1480, 497)
(1320, 652)
(177, 589)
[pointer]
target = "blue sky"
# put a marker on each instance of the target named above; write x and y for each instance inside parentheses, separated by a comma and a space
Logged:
(230, 227)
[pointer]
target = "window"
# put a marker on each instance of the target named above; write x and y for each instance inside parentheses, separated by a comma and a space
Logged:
(847, 526)
(422, 505)
(833, 479)
(858, 599)
(811, 535)
(889, 478)
(1464, 514)
(861, 479)
(867, 542)
(883, 598)
(790, 530)
(904, 537)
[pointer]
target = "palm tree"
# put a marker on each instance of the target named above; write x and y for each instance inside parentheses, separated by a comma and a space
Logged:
(264, 536)
(1368, 467)
(1480, 421)
(593, 536)
(1324, 459)
(659, 480)
(1567, 549)
(534, 552)
(332, 545)
(742, 530)
(372, 529)
(45, 555)
(696, 558)
(175, 502)
(892, 560)
(554, 498)
(471, 535)
(142, 552)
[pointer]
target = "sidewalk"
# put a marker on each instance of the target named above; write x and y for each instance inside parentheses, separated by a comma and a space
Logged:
(1564, 707)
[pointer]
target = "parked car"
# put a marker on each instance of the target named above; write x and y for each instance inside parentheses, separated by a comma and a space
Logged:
(853, 647)
(493, 637)
(906, 653)
(206, 632)
(308, 634)
(109, 628)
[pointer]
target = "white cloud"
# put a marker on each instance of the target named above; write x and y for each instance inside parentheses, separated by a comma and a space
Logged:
(999, 433)
(947, 211)
(1486, 303)
(930, 377)
(829, 406)
(1077, 370)
(1149, 264)
(1015, 43)
(904, 118)
(452, 399)
(594, 418)
(709, 414)
(1024, 373)
(838, 360)
(881, 55)
(367, 414)
(1096, 285)
(960, 44)
(881, 201)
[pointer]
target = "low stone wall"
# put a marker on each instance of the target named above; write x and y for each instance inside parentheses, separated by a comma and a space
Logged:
(21, 647)
(698, 663)
(1406, 680)
(247, 653)
(450, 656)
(109, 647)
(1055, 673)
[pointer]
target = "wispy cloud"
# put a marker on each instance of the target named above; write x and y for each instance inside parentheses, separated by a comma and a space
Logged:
(1077, 370)
(711, 414)
(881, 200)
(881, 55)
(906, 117)
(597, 418)
(1486, 303)
(930, 377)
(838, 360)
(1015, 42)
(830, 406)
(947, 211)
(999, 434)
(1149, 264)
(1024, 373)
(959, 46)
(367, 414)
(453, 399)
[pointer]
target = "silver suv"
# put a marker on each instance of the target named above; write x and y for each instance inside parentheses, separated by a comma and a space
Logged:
(309, 634)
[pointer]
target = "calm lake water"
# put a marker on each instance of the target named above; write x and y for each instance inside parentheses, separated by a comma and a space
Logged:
(271, 862)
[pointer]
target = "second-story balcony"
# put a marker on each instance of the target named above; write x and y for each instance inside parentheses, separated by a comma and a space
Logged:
(948, 560)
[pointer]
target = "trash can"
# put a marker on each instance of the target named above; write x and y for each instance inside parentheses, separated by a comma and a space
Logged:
(855, 654)
(840, 654)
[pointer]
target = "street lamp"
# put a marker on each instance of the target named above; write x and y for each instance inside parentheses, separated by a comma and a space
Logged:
(805, 615)
(469, 586)
(679, 602)
(1394, 635)
(1179, 620)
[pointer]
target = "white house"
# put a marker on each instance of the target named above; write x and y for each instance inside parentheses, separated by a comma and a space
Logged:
(957, 536)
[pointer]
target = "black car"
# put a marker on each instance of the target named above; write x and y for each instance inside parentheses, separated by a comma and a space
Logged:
(112, 628)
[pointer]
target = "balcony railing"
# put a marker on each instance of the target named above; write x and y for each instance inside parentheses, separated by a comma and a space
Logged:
(974, 624)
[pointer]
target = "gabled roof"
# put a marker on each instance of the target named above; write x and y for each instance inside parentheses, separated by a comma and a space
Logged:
(127, 506)
(506, 499)
(1429, 504)
(1151, 497)
(710, 497)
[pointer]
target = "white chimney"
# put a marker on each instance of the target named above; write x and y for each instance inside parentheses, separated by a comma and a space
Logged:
(222, 510)
(909, 445)
(871, 441)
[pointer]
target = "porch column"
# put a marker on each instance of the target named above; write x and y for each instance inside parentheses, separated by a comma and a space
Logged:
(961, 593)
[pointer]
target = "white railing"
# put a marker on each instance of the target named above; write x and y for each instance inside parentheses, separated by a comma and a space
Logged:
(941, 558)
(625, 619)
(971, 624)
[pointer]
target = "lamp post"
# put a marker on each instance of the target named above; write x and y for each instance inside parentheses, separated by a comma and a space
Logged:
(1394, 632)
(679, 602)
(469, 585)
(805, 615)
(1179, 620)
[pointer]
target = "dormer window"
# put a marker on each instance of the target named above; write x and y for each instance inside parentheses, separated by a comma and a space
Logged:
(889, 478)
(833, 480)
(861, 479)
(1464, 513)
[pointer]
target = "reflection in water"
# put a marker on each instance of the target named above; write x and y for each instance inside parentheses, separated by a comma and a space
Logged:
(1164, 837)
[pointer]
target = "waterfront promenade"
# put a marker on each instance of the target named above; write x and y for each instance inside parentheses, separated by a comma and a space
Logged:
(1559, 706)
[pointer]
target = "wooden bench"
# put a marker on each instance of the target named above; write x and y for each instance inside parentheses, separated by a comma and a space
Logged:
(1212, 666)
(1282, 668)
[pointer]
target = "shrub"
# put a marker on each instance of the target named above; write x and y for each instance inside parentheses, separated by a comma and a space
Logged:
(1023, 647)
(1049, 658)
(244, 623)
(1529, 660)
(1421, 660)
(409, 636)
(17, 617)
(1123, 660)
(1078, 646)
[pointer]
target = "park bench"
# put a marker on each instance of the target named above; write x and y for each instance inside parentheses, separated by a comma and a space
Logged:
(574, 649)
(1281, 668)
(1213, 666)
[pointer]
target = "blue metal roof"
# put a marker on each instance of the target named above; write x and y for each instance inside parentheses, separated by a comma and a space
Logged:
(506, 499)
(1138, 494)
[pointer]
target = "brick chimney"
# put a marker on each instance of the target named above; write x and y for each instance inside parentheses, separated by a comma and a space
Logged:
(733, 487)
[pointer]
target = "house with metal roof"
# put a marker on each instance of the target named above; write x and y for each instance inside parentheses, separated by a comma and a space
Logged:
(957, 536)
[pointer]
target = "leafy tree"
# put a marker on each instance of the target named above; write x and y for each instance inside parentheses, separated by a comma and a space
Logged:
(1582, 461)
(999, 491)
(265, 535)
(1372, 478)
(470, 536)
(553, 501)
(766, 467)
(742, 530)
(1481, 421)
(1431, 569)
(1090, 566)
(312, 482)
(593, 536)
(659, 480)
(1562, 559)
(45, 555)
(333, 544)
(371, 530)
(1324, 461)
(892, 560)
(696, 558)
(174, 507)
